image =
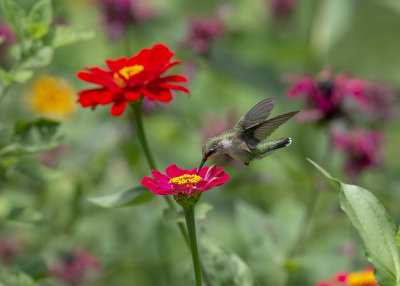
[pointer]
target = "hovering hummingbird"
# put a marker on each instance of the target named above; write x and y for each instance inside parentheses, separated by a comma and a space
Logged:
(247, 140)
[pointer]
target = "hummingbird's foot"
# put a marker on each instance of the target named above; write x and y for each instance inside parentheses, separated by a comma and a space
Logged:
(247, 163)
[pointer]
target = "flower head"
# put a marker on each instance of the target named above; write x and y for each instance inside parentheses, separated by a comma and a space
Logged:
(52, 97)
(185, 185)
(74, 267)
(118, 14)
(363, 278)
(127, 79)
(328, 97)
(362, 148)
(180, 181)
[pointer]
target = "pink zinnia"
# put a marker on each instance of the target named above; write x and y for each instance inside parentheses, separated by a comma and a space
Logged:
(180, 181)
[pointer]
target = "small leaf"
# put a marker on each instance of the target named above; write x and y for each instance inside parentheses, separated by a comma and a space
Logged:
(40, 58)
(39, 19)
(375, 227)
(14, 15)
(133, 196)
(25, 280)
(201, 210)
(5, 77)
(66, 35)
(22, 76)
(37, 130)
(24, 217)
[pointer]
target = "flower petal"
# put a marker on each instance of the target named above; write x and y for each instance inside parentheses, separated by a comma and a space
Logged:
(132, 95)
(173, 171)
(118, 108)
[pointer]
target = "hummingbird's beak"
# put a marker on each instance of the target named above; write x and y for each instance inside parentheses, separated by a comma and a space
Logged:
(201, 165)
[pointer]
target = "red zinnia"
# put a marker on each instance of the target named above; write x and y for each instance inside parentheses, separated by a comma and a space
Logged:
(179, 181)
(127, 79)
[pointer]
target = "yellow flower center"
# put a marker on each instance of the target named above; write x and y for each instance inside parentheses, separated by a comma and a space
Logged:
(53, 97)
(361, 278)
(126, 73)
(185, 180)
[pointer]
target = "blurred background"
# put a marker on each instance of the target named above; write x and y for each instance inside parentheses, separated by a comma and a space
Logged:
(276, 222)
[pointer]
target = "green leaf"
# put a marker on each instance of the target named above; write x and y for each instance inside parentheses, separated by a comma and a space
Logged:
(5, 77)
(25, 280)
(36, 130)
(24, 217)
(40, 58)
(66, 35)
(375, 227)
(223, 267)
(398, 237)
(39, 19)
(15, 16)
(133, 196)
(22, 76)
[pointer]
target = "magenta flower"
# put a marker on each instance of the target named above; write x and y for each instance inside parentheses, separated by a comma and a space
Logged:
(75, 267)
(329, 97)
(180, 181)
(119, 14)
(8, 38)
(203, 31)
(362, 148)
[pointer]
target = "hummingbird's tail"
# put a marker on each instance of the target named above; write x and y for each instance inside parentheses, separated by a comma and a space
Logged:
(282, 142)
(271, 145)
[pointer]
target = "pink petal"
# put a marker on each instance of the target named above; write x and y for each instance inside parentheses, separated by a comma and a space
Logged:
(173, 171)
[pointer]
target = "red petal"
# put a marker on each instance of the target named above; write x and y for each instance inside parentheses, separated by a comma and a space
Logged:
(105, 80)
(154, 93)
(175, 77)
(174, 86)
(153, 186)
(160, 177)
(118, 108)
(132, 95)
(116, 65)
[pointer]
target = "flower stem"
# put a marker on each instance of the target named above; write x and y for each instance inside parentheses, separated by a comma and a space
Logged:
(137, 111)
(191, 227)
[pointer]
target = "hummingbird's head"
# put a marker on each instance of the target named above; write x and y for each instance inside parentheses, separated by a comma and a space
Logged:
(211, 148)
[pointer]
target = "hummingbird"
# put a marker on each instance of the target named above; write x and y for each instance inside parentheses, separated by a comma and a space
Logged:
(247, 140)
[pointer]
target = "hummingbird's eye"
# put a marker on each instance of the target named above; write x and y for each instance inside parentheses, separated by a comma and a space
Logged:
(210, 152)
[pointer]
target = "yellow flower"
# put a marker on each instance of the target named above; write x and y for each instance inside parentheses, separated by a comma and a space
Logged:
(52, 97)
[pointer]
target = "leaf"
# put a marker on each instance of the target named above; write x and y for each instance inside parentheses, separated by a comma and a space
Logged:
(24, 217)
(40, 58)
(14, 15)
(66, 35)
(375, 227)
(223, 267)
(39, 19)
(22, 76)
(398, 237)
(36, 130)
(25, 280)
(134, 196)
(5, 77)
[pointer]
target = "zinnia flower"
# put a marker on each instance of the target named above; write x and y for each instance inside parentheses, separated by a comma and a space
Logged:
(185, 185)
(363, 278)
(75, 267)
(127, 79)
(328, 97)
(362, 148)
(52, 97)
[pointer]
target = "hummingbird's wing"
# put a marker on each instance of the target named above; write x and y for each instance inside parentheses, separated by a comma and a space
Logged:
(256, 115)
(254, 135)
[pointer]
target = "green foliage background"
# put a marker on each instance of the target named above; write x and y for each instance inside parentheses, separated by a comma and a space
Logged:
(255, 234)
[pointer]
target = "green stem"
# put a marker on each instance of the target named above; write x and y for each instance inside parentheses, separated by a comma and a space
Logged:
(191, 227)
(137, 111)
